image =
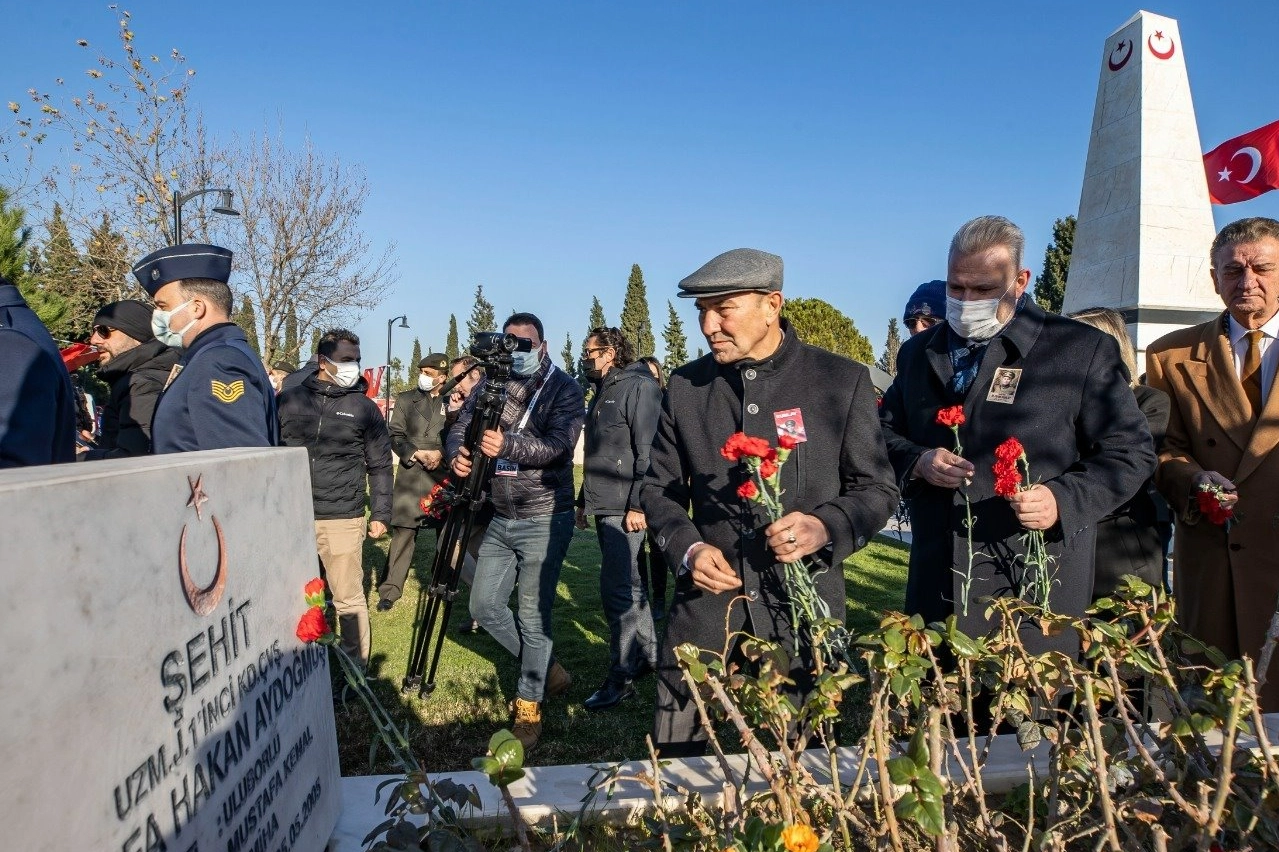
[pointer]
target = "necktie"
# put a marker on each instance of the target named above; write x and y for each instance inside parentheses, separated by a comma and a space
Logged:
(1251, 373)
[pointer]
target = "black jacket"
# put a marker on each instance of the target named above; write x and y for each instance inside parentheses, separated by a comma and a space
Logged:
(346, 438)
(840, 474)
(1083, 434)
(136, 378)
(417, 423)
(543, 449)
(619, 433)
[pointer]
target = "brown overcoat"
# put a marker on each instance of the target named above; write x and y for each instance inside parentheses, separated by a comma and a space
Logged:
(1226, 583)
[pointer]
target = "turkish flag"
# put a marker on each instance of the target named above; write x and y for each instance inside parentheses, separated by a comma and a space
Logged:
(374, 375)
(1244, 167)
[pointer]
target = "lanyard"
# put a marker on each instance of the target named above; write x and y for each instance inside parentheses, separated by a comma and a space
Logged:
(519, 427)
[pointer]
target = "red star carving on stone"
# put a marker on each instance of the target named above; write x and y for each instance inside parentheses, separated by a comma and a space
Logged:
(1159, 34)
(198, 497)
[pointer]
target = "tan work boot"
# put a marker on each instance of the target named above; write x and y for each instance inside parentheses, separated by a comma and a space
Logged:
(528, 722)
(558, 680)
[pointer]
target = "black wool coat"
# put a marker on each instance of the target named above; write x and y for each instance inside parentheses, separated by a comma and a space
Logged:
(137, 379)
(1084, 436)
(840, 474)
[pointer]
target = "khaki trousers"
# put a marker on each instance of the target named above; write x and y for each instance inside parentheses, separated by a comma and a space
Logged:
(340, 545)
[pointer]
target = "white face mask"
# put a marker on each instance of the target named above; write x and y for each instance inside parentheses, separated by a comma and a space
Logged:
(344, 375)
(425, 383)
(160, 326)
(975, 320)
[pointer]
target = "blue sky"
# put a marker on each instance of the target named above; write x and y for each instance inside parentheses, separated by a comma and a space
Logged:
(541, 148)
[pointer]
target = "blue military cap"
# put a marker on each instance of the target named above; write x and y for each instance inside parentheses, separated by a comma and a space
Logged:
(176, 263)
(928, 300)
(736, 271)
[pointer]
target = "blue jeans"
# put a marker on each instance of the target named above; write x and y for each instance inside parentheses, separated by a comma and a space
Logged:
(531, 551)
(632, 639)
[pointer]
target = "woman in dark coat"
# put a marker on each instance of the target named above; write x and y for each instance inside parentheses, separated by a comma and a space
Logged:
(652, 566)
(1134, 538)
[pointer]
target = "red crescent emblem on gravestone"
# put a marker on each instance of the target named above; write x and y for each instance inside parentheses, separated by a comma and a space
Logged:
(1115, 64)
(1159, 36)
(202, 601)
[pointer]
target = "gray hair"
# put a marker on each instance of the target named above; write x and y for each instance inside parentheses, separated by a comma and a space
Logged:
(987, 232)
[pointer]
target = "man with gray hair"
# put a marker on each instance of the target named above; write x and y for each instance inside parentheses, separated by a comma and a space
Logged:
(1056, 385)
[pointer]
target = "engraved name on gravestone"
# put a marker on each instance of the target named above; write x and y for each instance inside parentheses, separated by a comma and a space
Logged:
(155, 695)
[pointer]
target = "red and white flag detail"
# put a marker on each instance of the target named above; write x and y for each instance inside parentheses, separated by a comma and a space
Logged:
(374, 376)
(1244, 167)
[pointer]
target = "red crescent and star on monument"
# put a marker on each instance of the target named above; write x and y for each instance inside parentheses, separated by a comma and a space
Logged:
(1160, 37)
(201, 600)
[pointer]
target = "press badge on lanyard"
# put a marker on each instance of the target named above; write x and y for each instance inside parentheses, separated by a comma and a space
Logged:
(505, 467)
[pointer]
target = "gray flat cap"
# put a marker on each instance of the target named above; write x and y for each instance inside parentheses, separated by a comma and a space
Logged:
(737, 271)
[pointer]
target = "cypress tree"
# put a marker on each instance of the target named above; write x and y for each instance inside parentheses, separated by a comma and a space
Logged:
(482, 318)
(637, 324)
(1050, 286)
(246, 318)
(417, 355)
(674, 341)
(451, 348)
(888, 361)
(291, 342)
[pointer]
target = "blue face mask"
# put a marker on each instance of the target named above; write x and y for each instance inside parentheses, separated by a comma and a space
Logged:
(526, 363)
(160, 326)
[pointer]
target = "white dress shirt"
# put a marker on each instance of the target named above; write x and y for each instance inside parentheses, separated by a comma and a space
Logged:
(1269, 353)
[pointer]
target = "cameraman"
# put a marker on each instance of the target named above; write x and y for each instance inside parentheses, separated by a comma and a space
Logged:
(532, 496)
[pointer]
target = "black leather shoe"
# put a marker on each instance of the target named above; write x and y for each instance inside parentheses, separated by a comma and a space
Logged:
(468, 627)
(384, 605)
(609, 695)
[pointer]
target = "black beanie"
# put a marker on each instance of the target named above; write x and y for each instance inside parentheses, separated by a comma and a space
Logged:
(130, 316)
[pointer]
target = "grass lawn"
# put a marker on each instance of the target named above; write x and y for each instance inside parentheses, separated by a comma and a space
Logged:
(476, 678)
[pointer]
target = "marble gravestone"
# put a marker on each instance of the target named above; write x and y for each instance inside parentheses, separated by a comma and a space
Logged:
(155, 695)
(1145, 224)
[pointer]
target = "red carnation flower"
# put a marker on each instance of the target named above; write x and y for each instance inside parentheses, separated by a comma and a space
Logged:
(1007, 482)
(312, 626)
(787, 442)
(1211, 507)
(951, 417)
(768, 468)
(740, 445)
(748, 490)
(315, 587)
(1010, 450)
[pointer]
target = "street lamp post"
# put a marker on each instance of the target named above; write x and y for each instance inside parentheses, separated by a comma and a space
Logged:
(180, 198)
(386, 377)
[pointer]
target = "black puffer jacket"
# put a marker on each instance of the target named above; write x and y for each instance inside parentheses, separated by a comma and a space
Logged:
(137, 377)
(619, 433)
(346, 438)
(543, 449)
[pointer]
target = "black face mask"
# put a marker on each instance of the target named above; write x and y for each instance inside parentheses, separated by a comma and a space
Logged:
(586, 366)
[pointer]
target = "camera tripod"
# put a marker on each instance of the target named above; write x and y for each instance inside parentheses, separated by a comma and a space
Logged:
(435, 601)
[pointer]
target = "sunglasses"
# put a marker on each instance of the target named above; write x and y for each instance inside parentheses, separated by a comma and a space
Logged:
(103, 330)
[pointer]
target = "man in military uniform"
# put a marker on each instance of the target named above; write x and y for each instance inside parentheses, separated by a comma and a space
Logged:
(37, 405)
(218, 394)
(416, 426)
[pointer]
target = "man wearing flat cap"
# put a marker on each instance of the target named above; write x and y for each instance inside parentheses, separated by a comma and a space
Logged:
(218, 394)
(417, 426)
(136, 366)
(837, 485)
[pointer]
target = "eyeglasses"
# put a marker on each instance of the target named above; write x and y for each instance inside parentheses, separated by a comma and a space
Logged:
(590, 353)
(103, 330)
(924, 322)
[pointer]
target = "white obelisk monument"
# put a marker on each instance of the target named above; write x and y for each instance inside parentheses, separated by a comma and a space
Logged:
(1145, 224)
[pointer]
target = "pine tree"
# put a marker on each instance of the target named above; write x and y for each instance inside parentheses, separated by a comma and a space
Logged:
(637, 324)
(417, 355)
(20, 265)
(597, 315)
(888, 361)
(60, 269)
(107, 266)
(570, 363)
(482, 318)
(451, 348)
(1050, 287)
(673, 340)
(315, 343)
(821, 324)
(247, 319)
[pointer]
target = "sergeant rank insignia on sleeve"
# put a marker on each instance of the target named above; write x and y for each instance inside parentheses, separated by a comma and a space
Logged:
(228, 392)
